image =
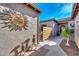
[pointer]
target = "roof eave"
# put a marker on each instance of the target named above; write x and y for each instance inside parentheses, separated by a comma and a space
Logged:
(33, 7)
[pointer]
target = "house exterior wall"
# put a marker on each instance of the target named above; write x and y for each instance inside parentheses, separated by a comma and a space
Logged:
(69, 24)
(20, 7)
(8, 40)
(77, 29)
(53, 25)
(72, 28)
(49, 24)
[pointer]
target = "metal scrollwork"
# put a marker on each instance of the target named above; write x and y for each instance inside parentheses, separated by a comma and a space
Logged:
(13, 20)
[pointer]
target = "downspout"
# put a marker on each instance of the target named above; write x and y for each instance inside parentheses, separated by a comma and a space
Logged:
(37, 30)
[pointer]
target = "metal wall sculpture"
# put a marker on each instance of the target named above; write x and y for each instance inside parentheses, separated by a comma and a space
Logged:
(12, 19)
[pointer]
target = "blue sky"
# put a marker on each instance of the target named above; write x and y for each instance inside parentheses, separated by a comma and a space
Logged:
(54, 10)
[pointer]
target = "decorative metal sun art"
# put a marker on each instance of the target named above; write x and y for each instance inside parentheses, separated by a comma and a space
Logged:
(12, 20)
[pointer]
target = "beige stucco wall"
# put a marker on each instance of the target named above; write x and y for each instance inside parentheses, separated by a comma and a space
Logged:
(77, 30)
(20, 7)
(8, 40)
(50, 24)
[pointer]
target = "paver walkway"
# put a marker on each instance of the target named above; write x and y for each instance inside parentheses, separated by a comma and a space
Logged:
(53, 46)
(49, 48)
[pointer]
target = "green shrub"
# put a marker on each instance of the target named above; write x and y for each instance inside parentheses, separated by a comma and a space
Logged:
(67, 33)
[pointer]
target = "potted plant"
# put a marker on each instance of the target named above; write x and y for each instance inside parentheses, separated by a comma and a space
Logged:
(67, 34)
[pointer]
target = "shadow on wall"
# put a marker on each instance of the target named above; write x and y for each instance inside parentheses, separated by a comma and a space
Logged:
(23, 47)
(20, 50)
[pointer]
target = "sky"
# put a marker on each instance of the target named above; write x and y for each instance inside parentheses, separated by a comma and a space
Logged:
(54, 10)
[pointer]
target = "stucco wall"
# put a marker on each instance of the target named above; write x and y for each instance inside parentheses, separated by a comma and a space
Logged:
(8, 40)
(70, 22)
(49, 24)
(54, 27)
(20, 7)
(77, 29)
